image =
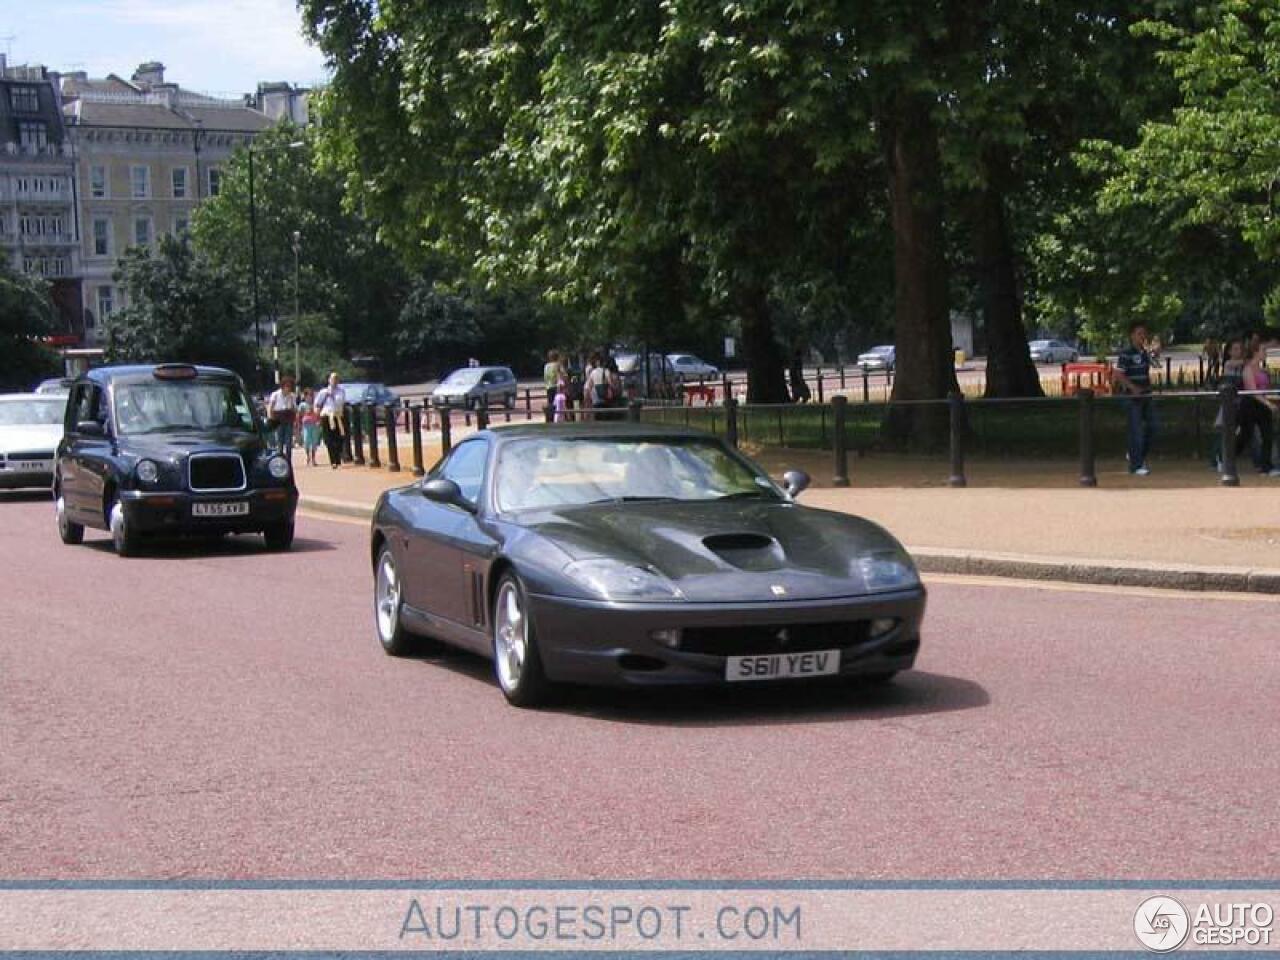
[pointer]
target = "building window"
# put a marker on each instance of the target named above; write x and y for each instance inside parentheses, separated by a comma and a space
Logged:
(140, 182)
(215, 181)
(181, 225)
(24, 184)
(33, 133)
(57, 225)
(98, 182)
(142, 231)
(24, 99)
(179, 183)
(57, 267)
(34, 265)
(101, 237)
(106, 302)
(30, 225)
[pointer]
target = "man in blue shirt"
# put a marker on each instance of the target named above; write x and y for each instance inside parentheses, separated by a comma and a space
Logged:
(1133, 376)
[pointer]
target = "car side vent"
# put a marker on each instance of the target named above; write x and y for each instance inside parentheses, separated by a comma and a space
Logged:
(747, 551)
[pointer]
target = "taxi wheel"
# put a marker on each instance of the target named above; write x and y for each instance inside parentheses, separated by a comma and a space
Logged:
(122, 536)
(279, 537)
(71, 533)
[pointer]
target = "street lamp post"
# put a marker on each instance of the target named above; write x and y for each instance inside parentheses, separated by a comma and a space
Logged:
(253, 257)
(297, 333)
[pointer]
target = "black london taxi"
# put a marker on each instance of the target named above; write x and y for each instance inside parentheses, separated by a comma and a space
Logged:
(168, 450)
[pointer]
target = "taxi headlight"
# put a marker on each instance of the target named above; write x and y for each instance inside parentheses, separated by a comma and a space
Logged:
(278, 467)
(888, 570)
(147, 471)
(614, 580)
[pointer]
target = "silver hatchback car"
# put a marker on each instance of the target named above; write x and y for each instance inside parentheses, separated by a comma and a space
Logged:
(467, 385)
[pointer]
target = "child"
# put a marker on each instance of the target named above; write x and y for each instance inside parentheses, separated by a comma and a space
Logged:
(561, 402)
(310, 425)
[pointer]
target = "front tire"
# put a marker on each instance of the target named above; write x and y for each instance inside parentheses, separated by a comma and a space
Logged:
(388, 604)
(279, 536)
(70, 533)
(123, 537)
(516, 661)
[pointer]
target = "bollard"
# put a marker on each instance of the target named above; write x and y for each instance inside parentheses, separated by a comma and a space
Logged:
(842, 383)
(633, 411)
(374, 460)
(1230, 477)
(355, 433)
(1088, 472)
(731, 422)
(956, 405)
(840, 406)
(415, 426)
(528, 404)
(728, 389)
(1168, 372)
(482, 414)
(446, 430)
(548, 414)
(866, 386)
(393, 448)
(1200, 378)
(820, 397)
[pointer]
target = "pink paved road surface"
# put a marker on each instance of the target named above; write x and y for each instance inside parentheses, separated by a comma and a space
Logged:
(226, 713)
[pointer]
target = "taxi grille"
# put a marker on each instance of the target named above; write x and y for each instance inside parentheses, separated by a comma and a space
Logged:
(215, 471)
(773, 638)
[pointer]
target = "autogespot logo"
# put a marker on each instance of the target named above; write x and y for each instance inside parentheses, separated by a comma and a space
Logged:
(1161, 924)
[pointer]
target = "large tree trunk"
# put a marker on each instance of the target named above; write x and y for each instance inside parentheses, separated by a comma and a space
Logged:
(925, 362)
(766, 378)
(1010, 372)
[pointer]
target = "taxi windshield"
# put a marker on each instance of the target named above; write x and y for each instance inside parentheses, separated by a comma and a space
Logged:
(175, 406)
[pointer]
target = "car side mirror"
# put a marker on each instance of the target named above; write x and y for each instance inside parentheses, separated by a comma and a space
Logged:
(447, 492)
(796, 482)
(91, 428)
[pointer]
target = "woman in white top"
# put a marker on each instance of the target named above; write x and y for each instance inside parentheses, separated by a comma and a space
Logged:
(282, 409)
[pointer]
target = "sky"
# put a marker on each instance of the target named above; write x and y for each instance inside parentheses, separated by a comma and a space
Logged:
(220, 47)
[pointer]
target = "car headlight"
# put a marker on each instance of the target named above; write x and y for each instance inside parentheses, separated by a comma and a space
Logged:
(888, 570)
(147, 471)
(278, 467)
(615, 580)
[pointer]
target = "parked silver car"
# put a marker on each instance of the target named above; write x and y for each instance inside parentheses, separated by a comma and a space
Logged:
(1052, 351)
(465, 386)
(878, 358)
(688, 367)
(662, 377)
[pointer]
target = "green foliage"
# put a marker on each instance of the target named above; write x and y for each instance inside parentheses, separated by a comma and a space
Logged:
(319, 353)
(180, 308)
(26, 315)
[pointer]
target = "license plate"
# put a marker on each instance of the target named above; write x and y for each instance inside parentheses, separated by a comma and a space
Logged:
(816, 663)
(31, 466)
(238, 508)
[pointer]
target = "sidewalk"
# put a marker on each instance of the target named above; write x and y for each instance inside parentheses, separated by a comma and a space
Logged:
(1176, 528)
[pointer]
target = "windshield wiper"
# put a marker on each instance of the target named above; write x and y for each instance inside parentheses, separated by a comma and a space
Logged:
(635, 499)
(746, 495)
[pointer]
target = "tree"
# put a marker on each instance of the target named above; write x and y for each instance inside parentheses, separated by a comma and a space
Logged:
(180, 308)
(26, 315)
(344, 272)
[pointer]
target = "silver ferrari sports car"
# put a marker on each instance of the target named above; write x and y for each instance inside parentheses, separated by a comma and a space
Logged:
(630, 553)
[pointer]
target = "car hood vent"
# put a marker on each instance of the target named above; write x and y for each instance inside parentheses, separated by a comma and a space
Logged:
(747, 551)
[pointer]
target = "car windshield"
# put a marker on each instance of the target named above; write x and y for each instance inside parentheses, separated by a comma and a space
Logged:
(464, 377)
(881, 350)
(171, 406)
(556, 472)
(31, 411)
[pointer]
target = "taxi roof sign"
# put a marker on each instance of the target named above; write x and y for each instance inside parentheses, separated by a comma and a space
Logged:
(175, 371)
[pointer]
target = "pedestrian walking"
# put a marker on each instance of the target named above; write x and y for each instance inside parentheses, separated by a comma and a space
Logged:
(282, 409)
(552, 372)
(1133, 375)
(310, 420)
(1257, 413)
(800, 392)
(331, 403)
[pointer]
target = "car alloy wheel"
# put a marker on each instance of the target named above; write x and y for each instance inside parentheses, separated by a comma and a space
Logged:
(515, 652)
(122, 537)
(71, 533)
(388, 603)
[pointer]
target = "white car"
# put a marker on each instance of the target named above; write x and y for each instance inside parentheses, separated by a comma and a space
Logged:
(1052, 351)
(878, 358)
(689, 367)
(30, 428)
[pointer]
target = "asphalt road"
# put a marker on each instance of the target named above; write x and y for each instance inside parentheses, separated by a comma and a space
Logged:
(226, 713)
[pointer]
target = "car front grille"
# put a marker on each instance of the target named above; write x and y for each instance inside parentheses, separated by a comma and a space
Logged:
(215, 472)
(782, 638)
